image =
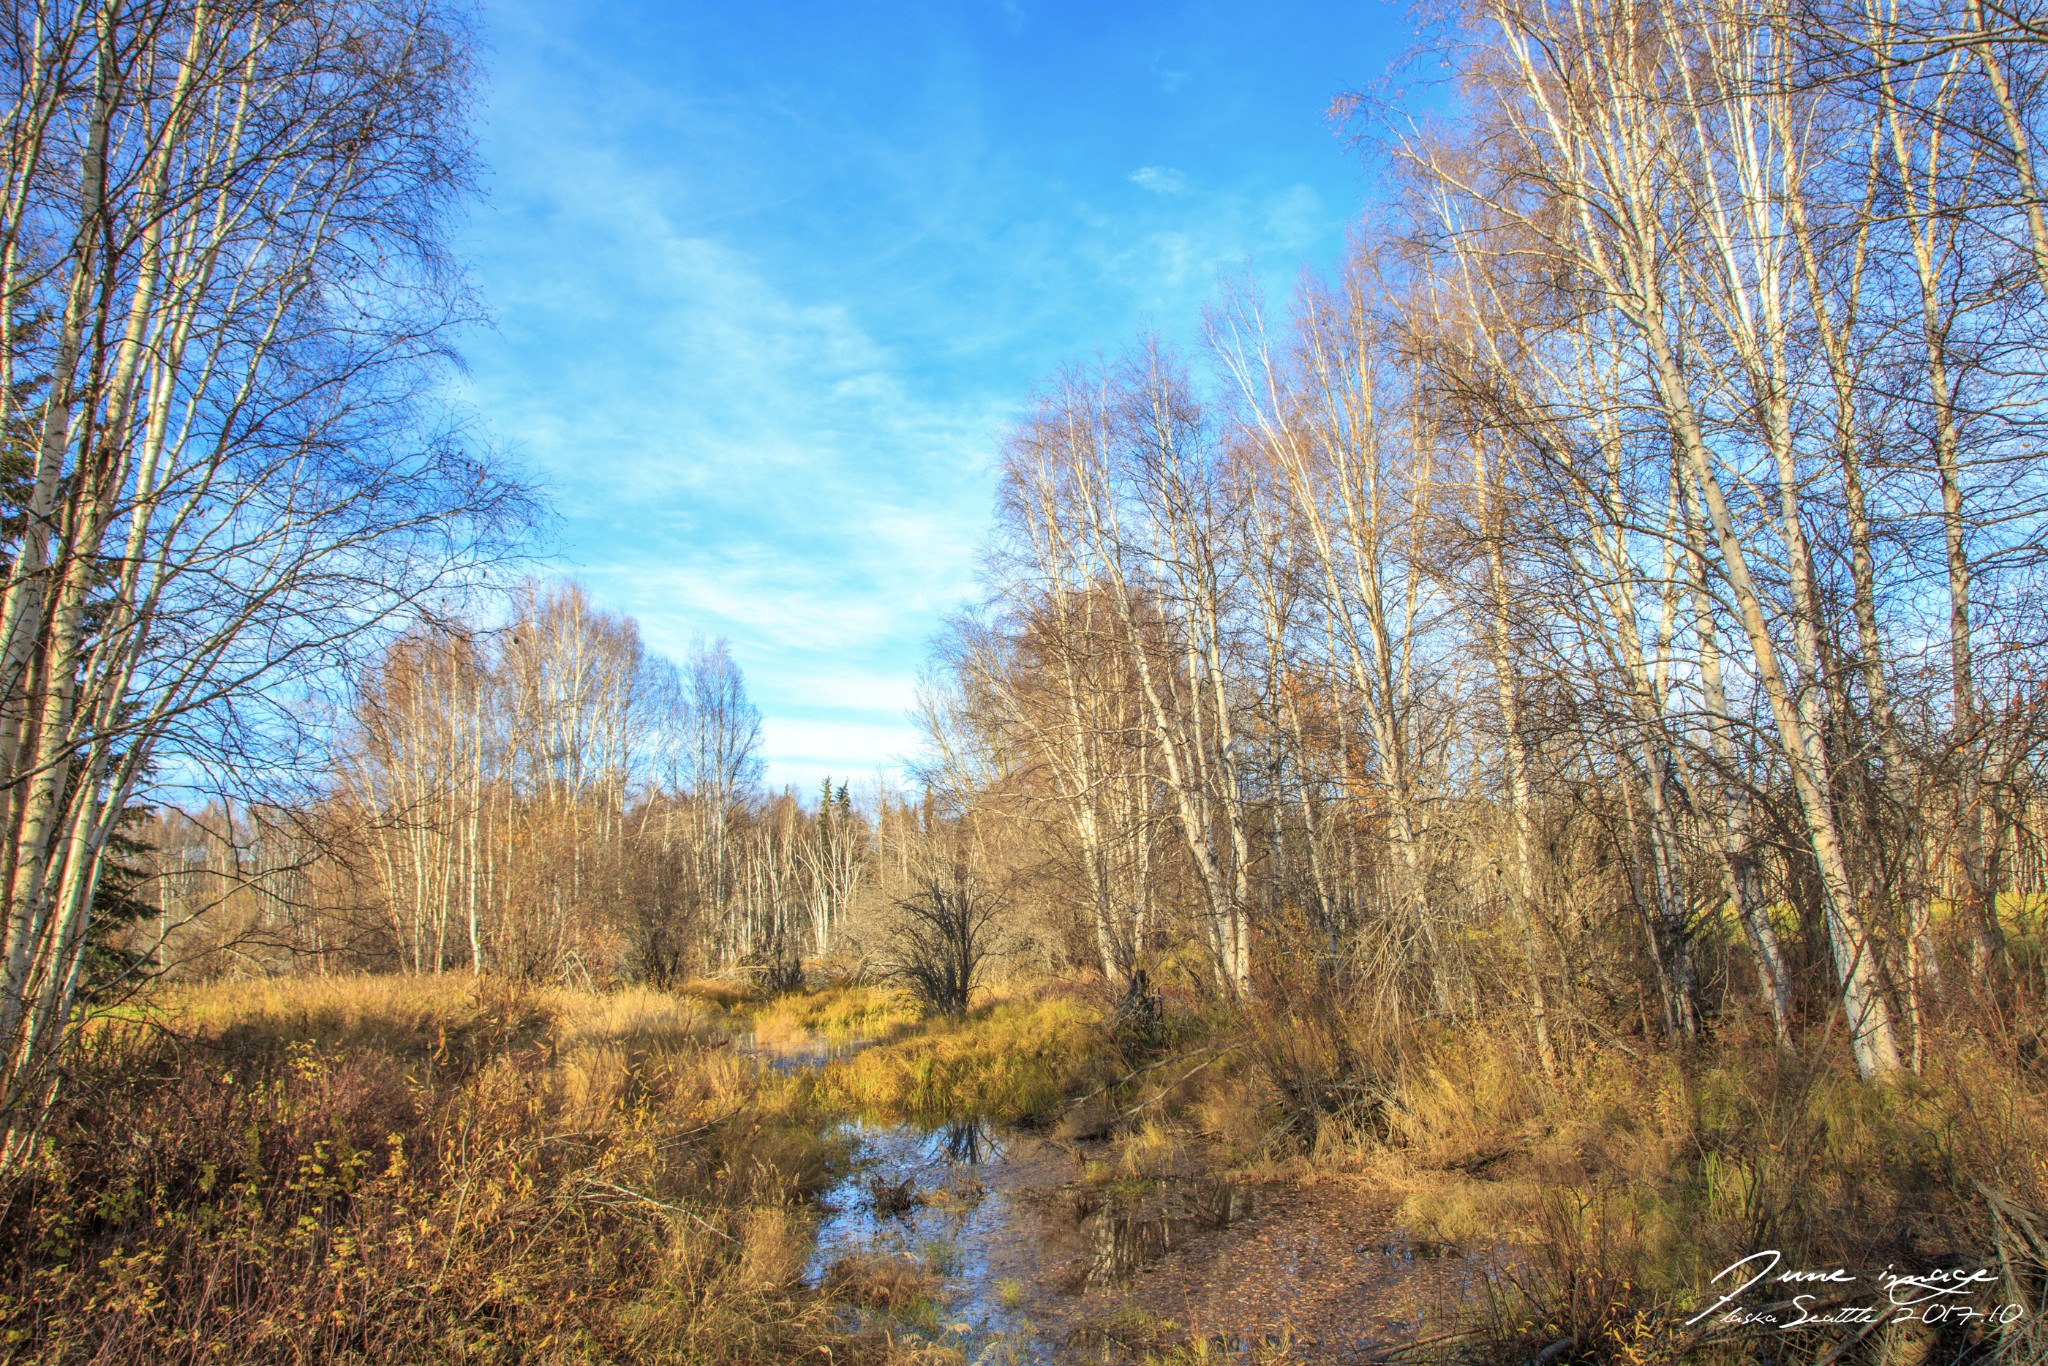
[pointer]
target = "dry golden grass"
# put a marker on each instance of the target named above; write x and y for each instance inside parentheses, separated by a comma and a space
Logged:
(837, 1014)
(724, 993)
(1015, 1059)
(1628, 1181)
(880, 1281)
(382, 1170)
(1617, 1188)
(394, 1170)
(634, 1015)
(381, 1011)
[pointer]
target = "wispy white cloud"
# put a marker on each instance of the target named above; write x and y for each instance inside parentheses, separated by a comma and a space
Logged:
(1179, 260)
(1160, 179)
(729, 459)
(802, 750)
(762, 331)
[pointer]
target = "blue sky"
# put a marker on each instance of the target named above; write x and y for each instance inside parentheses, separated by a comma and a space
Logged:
(769, 280)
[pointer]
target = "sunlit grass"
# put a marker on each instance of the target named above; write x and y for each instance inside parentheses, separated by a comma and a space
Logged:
(838, 1014)
(1015, 1060)
(604, 1172)
(598, 1169)
(1629, 1181)
(395, 1011)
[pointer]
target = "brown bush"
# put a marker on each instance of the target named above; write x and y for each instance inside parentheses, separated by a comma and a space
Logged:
(380, 1172)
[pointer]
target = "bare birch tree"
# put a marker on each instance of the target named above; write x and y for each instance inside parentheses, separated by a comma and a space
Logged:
(226, 295)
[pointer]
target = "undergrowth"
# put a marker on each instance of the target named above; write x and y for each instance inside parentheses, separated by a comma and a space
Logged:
(1617, 1189)
(385, 1171)
(377, 1170)
(1604, 1196)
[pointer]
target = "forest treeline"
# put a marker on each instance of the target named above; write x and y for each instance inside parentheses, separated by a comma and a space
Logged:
(1609, 603)
(1611, 600)
(1616, 591)
(542, 798)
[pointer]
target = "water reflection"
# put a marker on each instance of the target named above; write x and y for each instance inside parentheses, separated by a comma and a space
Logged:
(1406, 1252)
(789, 1058)
(943, 1198)
(1122, 1240)
(969, 1142)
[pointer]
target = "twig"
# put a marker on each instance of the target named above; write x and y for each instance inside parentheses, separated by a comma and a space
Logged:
(1167, 1090)
(691, 1215)
(1150, 1066)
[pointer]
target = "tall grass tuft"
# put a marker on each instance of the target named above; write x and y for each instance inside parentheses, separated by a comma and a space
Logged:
(1015, 1060)
(836, 1014)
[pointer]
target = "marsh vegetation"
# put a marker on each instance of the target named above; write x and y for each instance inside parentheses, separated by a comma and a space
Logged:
(397, 1169)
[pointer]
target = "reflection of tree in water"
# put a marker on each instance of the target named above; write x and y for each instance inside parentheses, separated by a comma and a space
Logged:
(1124, 1240)
(969, 1141)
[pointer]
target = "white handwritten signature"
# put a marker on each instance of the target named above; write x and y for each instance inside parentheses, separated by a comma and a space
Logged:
(1925, 1292)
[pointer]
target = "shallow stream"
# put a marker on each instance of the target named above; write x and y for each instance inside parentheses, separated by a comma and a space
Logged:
(1025, 1259)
